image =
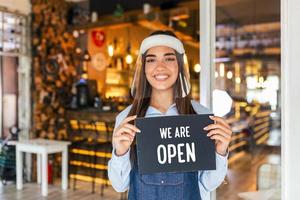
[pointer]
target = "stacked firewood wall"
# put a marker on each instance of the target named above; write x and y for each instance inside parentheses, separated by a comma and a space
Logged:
(54, 67)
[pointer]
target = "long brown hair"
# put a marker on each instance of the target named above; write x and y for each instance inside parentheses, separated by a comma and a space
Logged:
(141, 100)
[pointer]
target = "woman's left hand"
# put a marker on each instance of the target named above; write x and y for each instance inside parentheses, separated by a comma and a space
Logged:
(221, 132)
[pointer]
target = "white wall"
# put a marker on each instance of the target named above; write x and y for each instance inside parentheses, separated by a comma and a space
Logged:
(290, 73)
(23, 6)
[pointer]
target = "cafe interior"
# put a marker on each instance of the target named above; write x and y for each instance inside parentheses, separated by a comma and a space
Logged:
(66, 69)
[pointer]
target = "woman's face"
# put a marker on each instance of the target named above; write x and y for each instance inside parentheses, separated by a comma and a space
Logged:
(161, 68)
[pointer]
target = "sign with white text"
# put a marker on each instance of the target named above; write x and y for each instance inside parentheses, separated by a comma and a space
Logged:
(174, 144)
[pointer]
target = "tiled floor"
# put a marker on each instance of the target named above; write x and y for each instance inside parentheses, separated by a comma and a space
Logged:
(31, 191)
(241, 177)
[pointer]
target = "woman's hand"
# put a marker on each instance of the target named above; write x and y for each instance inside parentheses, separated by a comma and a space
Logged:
(221, 133)
(124, 136)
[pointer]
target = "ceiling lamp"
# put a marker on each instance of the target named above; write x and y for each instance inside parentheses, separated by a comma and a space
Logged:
(110, 50)
(216, 74)
(229, 75)
(129, 59)
(222, 69)
(197, 68)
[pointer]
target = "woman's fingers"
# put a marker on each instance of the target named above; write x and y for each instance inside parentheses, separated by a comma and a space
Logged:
(218, 126)
(132, 127)
(220, 120)
(126, 127)
(128, 135)
(218, 132)
(220, 138)
(128, 119)
(124, 137)
(221, 133)
(123, 130)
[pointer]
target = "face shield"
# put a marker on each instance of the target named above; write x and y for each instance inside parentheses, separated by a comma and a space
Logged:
(141, 88)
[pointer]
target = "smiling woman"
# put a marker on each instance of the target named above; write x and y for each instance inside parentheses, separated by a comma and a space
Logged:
(161, 87)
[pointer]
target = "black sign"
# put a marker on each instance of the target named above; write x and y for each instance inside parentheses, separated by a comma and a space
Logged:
(174, 144)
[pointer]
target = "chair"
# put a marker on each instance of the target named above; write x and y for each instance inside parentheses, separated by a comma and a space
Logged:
(268, 183)
(268, 176)
(74, 131)
(104, 148)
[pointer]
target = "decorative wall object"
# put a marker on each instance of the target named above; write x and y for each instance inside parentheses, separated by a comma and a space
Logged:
(98, 37)
(54, 67)
(99, 61)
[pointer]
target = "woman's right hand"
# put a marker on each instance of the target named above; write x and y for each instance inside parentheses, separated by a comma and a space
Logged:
(124, 136)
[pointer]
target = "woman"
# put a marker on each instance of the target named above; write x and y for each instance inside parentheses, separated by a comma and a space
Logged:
(161, 88)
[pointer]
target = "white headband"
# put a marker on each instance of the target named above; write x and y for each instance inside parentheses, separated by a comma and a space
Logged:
(162, 40)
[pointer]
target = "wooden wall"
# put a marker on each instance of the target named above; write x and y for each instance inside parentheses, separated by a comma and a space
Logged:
(53, 67)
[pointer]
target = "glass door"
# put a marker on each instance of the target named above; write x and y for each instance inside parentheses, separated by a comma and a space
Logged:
(247, 71)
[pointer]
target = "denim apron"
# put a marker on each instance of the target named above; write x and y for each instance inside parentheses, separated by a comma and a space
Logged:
(163, 186)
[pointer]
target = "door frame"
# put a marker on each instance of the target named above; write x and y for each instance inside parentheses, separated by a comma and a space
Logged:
(290, 50)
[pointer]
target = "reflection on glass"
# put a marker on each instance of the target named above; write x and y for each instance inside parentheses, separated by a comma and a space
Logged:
(248, 33)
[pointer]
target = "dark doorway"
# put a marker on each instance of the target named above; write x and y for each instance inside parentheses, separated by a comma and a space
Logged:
(9, 93)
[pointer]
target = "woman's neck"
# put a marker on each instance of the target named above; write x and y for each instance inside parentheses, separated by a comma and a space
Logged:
(161, 100)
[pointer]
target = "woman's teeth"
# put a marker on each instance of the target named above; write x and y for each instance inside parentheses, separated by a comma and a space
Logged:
(161, 77)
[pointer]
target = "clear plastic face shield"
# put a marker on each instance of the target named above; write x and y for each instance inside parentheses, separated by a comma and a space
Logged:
(141, 88)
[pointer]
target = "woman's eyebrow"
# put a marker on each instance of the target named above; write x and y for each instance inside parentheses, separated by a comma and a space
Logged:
(150, 55)
(169, 54)
(166, 54)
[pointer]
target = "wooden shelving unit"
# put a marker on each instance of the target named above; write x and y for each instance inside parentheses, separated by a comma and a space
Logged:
(152, 21)
(90, 131)
(249, 134)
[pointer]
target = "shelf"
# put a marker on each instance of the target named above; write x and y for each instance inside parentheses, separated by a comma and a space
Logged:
(132, 18)
(156, 25)
(240, 52)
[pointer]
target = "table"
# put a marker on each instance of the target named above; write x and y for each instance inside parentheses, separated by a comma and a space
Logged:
(42, 148)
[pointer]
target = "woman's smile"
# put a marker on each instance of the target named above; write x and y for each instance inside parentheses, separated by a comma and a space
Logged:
(161, 77)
